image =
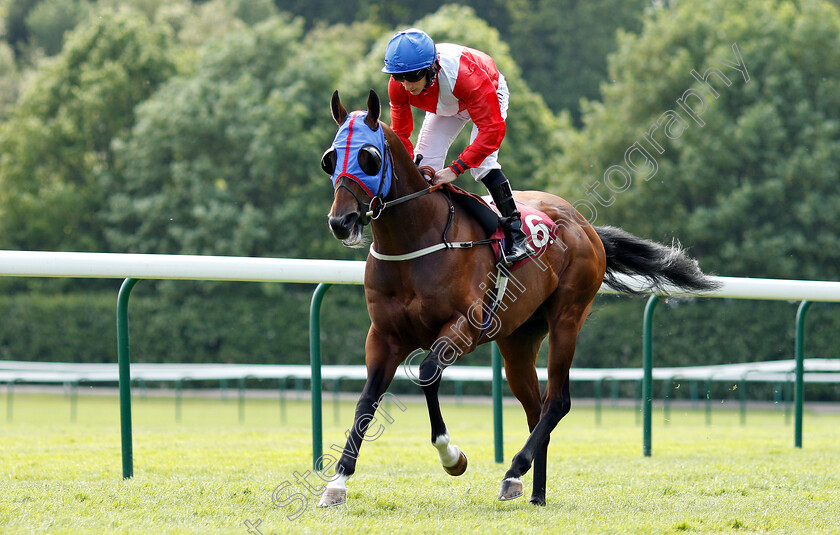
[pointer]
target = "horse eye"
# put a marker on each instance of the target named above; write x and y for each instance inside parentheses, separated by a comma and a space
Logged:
(328, 161)
(370, 160)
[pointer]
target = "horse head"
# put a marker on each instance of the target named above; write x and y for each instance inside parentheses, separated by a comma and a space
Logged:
(359, 164)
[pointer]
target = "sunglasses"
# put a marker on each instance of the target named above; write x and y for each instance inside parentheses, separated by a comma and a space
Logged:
(411, 76)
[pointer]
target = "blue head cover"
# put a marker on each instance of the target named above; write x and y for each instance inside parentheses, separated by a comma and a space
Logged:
(356, 148)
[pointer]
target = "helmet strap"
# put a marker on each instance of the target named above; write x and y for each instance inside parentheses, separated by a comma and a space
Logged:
(431, 73)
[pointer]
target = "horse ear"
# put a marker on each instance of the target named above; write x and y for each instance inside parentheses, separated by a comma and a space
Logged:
(374, 110)
(338, 111)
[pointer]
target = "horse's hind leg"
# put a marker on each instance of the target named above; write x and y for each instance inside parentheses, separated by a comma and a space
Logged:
(520, 353)
(453, 460)
(556, 402)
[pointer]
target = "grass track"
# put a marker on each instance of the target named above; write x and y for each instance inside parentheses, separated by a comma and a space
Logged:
(211, 474)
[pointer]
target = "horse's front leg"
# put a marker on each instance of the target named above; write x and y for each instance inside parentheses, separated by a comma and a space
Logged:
(381, 359)
(444, 352)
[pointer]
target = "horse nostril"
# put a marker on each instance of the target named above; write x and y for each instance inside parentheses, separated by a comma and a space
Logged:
(350, 219)
(337, 228)
(342, 225)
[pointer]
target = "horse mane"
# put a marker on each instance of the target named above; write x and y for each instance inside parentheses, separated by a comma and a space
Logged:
(400, 156)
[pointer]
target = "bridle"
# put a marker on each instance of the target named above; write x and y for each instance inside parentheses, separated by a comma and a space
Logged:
(373, 159)
(373, 209)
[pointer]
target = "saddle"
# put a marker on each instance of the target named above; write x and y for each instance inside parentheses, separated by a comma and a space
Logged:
(539, 228)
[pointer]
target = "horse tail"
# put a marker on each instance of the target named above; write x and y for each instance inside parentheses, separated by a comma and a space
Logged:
(656, 263)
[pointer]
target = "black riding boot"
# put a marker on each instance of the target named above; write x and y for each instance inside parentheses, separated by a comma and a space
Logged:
(518, 247)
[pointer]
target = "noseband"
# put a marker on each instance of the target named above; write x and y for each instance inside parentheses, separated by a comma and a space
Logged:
(368, 211)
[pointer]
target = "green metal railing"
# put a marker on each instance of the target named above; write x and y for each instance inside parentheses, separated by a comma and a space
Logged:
(317, 394)
(498, 431)
(315, 362)
(647, 380)
(192, 267)
(124, 360)
(647, 396)
(799, 355)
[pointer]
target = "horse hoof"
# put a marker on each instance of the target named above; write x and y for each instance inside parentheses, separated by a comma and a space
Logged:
(511, 489)
(535, 500)
(332, 497)
(458, 468)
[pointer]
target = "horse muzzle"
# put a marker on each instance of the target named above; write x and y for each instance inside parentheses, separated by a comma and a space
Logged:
(347, 228)
(343, 225)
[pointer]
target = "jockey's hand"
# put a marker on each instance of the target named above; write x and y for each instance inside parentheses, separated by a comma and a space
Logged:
(444, 176)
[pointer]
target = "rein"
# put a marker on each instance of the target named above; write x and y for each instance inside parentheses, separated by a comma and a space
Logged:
(376, 208)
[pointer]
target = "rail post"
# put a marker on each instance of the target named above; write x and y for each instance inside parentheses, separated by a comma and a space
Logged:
(124, 363)
(498, 431)
(647, 381)
(315, 376)
(799, 390)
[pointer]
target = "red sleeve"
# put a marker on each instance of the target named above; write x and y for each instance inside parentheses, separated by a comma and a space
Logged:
(478, 93)
(402, 122)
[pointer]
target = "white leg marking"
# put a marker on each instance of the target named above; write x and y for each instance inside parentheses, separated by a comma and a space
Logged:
(340, 482)
(449, 453)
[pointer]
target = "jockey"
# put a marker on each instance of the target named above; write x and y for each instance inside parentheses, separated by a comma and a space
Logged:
(454, 84)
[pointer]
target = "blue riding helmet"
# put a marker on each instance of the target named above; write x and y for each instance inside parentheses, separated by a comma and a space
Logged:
(409, 50)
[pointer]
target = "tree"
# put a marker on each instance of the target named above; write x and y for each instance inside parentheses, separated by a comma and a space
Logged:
(15, 22)
(49, 21)
(225, 160)
(562, 46)
(56, 157)
(721, 129)
(9, 79)
(559, 46)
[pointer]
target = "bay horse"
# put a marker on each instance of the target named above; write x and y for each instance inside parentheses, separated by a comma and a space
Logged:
(420, 292)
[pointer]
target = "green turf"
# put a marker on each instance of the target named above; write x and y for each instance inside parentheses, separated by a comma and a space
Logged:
(211, 474)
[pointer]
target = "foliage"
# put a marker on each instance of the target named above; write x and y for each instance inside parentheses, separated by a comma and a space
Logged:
(48, 21)
(562, 46)
(750, 188)
(55, 171)
(559, 47)
(224, 160)
(196, 127)
(9, 79)
(15, 13)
